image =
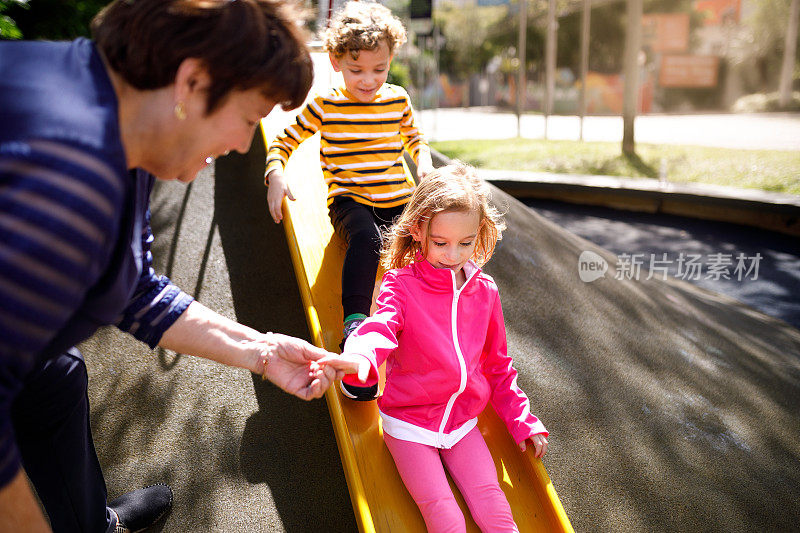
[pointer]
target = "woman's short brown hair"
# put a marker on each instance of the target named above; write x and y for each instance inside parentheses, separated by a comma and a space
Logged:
(244, 44)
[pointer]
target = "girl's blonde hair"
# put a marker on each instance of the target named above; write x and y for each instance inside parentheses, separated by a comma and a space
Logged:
(455, 187)
(362, 26)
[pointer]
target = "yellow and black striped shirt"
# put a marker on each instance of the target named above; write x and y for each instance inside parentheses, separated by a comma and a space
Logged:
(361, 145)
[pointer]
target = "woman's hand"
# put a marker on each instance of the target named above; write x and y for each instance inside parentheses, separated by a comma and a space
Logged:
(539, 441)
(290, 363)
(294, 365)
(278, 188)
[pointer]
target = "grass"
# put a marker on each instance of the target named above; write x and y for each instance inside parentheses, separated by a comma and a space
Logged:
(768, 170)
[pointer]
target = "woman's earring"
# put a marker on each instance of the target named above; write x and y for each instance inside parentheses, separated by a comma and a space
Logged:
(180, 111)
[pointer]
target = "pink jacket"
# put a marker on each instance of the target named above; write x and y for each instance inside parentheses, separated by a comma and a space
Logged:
(445, 353)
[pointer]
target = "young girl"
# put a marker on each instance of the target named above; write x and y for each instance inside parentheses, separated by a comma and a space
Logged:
(439, 327)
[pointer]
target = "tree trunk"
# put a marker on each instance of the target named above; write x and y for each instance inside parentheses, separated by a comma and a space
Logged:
(633, 38)
(550, 62)
(521, 48)
(787, 69)
(585, 24)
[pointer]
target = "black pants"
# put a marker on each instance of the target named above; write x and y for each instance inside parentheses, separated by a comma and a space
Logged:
(360, 227)
(51, 424)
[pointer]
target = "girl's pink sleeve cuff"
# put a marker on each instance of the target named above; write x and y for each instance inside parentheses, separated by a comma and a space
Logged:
(528, 430)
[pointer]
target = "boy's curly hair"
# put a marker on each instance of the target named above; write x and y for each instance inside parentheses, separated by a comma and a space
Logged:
(362, 26)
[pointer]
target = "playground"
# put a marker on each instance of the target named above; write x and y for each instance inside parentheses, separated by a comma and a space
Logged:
(669, 406)
(651, 307)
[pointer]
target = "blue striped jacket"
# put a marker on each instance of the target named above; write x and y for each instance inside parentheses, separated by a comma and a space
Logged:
(74, 221)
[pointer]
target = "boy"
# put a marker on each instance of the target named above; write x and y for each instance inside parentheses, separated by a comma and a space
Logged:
(364, 126)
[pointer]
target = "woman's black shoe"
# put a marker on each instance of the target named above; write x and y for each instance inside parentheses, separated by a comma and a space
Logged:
(141, 508)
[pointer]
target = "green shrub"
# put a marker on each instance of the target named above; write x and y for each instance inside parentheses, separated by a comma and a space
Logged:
(399, 74)
(760, 102)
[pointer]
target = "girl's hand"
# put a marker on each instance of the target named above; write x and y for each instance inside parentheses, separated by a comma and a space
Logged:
(278, 188)
(347, 364)
(539, 441)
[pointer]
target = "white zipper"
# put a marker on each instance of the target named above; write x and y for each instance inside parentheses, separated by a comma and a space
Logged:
(461, 363)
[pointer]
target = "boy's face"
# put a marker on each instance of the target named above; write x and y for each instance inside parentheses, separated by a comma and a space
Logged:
(365, 75)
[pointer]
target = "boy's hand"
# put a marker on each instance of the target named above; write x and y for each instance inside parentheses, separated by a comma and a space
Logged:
(539, 441)
(278, 188)
(424, 164)
(423, 170)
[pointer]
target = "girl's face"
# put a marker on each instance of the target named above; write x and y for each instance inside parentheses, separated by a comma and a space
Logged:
(449, 239)
(365, 75)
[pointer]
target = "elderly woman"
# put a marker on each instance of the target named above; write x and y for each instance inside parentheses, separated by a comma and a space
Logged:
(86, 125)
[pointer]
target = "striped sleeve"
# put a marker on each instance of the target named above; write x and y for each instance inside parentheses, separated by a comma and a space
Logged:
(307, 123)
(411, 134)
(157, 302)
(59, 211)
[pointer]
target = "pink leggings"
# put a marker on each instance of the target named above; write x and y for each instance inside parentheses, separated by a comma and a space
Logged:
(472, 469)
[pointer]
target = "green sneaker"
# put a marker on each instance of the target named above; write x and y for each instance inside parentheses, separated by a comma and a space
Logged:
(350, 324)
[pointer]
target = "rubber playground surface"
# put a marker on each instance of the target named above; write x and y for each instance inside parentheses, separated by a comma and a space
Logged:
(670, 407)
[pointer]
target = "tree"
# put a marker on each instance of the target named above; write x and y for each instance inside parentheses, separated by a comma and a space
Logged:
(789, 56)
(8, 27)
(759, 44)
(608, 22)
(504, 38)
(53, 19)
(467, 30)
(633, 45)
(467, 46)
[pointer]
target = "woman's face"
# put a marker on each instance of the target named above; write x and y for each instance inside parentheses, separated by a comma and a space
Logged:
(202, 138)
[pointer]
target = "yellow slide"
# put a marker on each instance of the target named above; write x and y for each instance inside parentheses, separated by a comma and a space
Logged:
(379, 498)
(380, 501)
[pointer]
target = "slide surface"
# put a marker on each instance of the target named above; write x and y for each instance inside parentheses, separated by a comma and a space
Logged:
(379, 498)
